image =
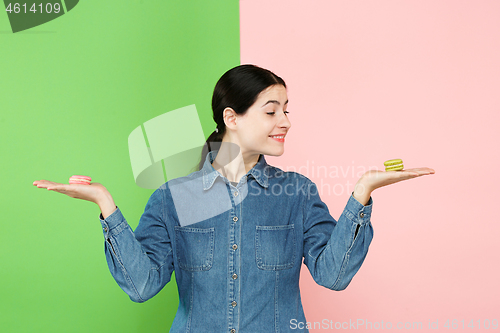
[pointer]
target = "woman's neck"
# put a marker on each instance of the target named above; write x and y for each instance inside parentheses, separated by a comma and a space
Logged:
(232, 163)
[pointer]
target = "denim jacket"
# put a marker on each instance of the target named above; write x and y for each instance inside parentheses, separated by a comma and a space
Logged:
(237, 250)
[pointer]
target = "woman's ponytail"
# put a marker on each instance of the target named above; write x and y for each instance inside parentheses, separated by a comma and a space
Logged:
(213, 143)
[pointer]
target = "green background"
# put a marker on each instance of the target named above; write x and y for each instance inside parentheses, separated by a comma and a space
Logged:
(71, 91)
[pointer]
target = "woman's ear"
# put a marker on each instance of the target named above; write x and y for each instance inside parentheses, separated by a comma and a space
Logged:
(229, 116)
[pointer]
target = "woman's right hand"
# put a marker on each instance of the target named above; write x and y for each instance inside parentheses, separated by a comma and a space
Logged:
(94, 192)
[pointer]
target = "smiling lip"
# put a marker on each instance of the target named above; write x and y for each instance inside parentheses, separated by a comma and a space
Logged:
(278, 137)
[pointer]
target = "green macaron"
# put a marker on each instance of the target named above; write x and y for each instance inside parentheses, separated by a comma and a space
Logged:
(394, 165)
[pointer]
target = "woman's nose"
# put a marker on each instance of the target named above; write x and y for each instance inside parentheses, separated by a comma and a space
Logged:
(284, 122)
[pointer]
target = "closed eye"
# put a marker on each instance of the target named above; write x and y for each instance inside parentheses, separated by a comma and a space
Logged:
(272, 113)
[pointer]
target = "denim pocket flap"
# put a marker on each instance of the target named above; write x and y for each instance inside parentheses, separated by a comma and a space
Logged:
(275, 247)
(195, 248)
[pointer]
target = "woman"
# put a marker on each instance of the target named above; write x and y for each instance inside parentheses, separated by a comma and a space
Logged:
(237, 230)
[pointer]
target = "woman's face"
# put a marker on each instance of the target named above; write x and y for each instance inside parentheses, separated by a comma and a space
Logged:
(262, 129)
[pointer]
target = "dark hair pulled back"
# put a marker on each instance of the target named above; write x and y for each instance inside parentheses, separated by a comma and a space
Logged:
(238, 89)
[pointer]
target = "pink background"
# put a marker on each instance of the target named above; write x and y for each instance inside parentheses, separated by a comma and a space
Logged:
(374, 80)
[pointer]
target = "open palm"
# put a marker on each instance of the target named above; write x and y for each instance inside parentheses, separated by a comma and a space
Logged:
(374, 179)
(90, 192)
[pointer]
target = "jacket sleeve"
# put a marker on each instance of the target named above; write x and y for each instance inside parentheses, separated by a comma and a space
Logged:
(334, 251)
(141, 262)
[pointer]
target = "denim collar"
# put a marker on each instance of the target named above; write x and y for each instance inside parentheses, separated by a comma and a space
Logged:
(260, 171)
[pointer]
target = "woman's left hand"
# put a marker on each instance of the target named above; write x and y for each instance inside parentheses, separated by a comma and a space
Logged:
(373, 179)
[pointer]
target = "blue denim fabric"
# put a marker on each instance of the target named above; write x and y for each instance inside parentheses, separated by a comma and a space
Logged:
(237, 251)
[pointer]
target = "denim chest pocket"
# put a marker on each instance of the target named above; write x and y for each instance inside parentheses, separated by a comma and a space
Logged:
(195, 248)
(275, 247)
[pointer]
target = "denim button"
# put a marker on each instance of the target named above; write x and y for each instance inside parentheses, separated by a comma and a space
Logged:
(233, 330)
(233, 303)
(235, 218)
(361, 214)
(235, 193)
(105, 229)
(235, 246)
(235, 276)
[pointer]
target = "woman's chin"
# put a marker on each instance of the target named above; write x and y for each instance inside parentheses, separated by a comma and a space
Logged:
(274, 152)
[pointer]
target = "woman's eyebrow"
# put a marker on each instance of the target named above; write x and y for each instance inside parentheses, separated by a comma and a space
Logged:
(274, 102)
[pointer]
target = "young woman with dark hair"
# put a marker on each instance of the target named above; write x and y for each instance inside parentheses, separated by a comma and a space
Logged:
(237, 231)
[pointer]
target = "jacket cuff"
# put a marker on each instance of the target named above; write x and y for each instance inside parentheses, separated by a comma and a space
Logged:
(113, 223)
(358, 213)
